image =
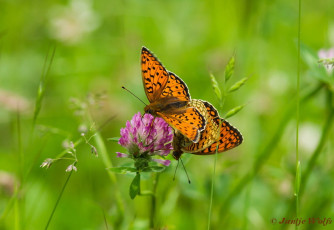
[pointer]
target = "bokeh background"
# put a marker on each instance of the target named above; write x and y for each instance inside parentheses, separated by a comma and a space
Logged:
(71, 59)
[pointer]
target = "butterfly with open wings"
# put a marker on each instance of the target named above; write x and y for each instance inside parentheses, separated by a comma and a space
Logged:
(198, 129)
(169, 98)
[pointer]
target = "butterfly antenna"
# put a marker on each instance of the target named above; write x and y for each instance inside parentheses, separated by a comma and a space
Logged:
(134, 95)
(185, 170)
(176, 169)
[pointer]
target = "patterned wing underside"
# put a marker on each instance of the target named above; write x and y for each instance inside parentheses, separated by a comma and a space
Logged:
(154, 74)
(190, 123)
(229, 138)
(200, 106)
(211, 132)
(175, 87)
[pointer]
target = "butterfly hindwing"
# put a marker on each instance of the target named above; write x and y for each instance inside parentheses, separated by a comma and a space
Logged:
(189, 123)
(217, 132)
(229, 138)
(211, 132)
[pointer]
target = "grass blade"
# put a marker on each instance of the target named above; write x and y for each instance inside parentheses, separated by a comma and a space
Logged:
(216, 88)
(229, 69)
(298, 178)
(42, 83)
(234, 111)
(237, 85)
(59, 197)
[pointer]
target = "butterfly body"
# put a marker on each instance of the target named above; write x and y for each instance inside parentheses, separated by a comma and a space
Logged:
(179, 142)
(167, 105)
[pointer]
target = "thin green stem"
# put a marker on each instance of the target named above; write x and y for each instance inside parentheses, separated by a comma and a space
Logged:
(318, 150)
(152, 194)
(19, 145)
(19, 207)
(17, 211)
(266, 152)
(153, 200)
(59, 197)
(64, 152)
(103, 153)
(312, 162)
(42, 83)
(108, 164)
(212, 188)
(214, 165)
(297, 178)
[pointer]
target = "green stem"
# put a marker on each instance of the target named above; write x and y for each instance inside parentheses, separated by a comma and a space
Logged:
(153, 203)
(212, 187)
(318, 150)
(311, 163)
(65, 151)
(297, 178)
(266, 152)
(42, 83)
(153, 199)
(19, 207)
(108, 164)
(59, 197)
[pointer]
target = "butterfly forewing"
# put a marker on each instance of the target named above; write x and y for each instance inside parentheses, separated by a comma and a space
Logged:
(169, 98)
(154, 74)
(175, 87)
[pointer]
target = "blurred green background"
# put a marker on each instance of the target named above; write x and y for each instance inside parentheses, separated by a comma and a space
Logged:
(97, 50)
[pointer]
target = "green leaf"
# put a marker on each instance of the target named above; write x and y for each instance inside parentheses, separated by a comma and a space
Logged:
(123, 170)
(135, 186)
(234, 111)
(216, 87)
(158, 168)
(115, 139)
(237, 85)
(154, 169)
(229, 69)
(298, 178)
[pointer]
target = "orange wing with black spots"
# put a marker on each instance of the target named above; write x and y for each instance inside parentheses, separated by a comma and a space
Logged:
(169, 98)
(229, 138)
(211, 132)
(175, 87)
(155, 76)
(189, 124)
(217, 131)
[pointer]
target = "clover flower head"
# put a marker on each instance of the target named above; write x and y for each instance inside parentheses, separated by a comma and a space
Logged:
(146, 136)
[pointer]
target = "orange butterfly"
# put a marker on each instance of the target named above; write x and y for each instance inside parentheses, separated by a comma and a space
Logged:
(169, 98)
(217, 132)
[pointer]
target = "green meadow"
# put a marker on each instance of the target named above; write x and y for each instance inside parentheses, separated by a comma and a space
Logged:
(267, 66)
